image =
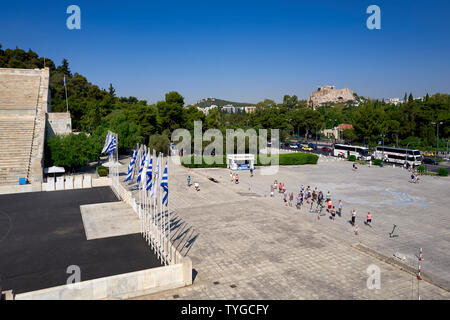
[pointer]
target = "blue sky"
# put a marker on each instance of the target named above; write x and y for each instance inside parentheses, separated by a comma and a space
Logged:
(241, 50)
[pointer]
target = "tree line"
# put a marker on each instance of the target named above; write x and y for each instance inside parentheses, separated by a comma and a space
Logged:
(95, 110)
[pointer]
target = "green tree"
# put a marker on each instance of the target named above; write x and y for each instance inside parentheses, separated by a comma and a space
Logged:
(71, 151)
(159, 142)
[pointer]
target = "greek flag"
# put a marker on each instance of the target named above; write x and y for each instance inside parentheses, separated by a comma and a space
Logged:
(141, 167)
(131, 165)
(144, 170)
(154, 191)
(107, 141)
(112, 145)
(165, 186)
(149, 174)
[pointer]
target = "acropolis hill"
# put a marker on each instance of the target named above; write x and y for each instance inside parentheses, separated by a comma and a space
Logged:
(329, 94)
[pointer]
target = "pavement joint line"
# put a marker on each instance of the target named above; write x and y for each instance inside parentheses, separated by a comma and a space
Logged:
(402, 266)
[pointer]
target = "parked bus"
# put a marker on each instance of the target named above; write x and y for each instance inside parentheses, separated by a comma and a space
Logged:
(398, 155)
(343, 150)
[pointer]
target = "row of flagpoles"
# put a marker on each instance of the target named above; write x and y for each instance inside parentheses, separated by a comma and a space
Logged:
(153, 199)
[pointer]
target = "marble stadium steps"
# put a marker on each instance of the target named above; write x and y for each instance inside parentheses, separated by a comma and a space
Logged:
(16, 135)
(18, 93)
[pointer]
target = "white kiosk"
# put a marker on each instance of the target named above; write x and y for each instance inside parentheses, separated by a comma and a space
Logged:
(240, 161)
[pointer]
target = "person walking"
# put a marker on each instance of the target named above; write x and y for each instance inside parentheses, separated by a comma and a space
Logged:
(237, 178)
(189, 181)
(285, 198)
(231, 176)
(251, 172)
(333, 213)
(330, 204)
(340, 208)
(299, 201)
(320, 198)
(353, 217)
(369, 219)
(291, 199)
(328, 196)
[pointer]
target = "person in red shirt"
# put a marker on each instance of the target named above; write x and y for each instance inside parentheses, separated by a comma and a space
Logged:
(369, 219)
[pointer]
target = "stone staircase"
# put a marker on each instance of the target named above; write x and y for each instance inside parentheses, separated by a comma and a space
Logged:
(16, 137)
(23, 106)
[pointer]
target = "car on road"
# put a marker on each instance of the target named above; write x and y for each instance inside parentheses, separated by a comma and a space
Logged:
(312, 145)
(307, 149)
(430, 161)
(428, 154)
(293, 146)
(299, 145)
(326, 149)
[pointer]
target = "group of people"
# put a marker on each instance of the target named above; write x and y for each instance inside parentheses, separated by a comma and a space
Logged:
(315, 197)
(234, 177)
(277, 186)
(196, 185)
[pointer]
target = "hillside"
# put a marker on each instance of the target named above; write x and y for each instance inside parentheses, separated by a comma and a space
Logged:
(207, 102)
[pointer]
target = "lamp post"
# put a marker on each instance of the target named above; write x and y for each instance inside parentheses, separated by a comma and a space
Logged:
(437, 138)
(406, 152)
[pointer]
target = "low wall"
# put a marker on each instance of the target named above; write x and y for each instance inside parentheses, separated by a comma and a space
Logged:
(58, 123)
(121, 286)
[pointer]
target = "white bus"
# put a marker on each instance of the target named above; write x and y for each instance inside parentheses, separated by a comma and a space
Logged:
(398, 155)
(343, 150)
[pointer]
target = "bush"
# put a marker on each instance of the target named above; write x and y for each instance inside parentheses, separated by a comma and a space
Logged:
(421, 169)
(352, 158)
(191, 164)
(284, 160)
(443, 172)
(72, 150)
(377, 162)
(293, 159)
(102, 171)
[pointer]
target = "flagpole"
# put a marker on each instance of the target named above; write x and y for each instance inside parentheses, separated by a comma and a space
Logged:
(65, 87)
(168, 213)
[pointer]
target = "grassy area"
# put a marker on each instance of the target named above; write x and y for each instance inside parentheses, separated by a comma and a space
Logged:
(284, 160)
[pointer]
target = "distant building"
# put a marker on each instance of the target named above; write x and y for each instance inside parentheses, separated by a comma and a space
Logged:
(229, 108)
(250, 109)
(394, 101)
(207, 109)
(336, 132)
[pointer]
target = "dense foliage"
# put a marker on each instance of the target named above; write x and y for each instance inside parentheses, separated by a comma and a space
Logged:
(95, 111)
(72, 150)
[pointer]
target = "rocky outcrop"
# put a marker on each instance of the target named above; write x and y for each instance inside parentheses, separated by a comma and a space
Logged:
(329, 94)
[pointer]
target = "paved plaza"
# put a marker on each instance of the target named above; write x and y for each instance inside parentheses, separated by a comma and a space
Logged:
(246, 245)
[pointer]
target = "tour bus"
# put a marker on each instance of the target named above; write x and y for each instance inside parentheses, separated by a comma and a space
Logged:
(343, 150)
(398, 155)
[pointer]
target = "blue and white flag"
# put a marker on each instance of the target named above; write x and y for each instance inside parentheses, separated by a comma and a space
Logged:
(141, 167)
(154, 191)
(165, 186)
(107, 141)
(131, 165)
(143, 175)
(149, 174)
(112, 145)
